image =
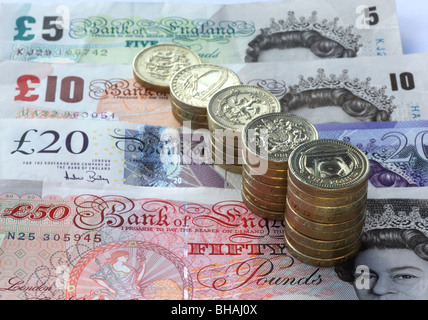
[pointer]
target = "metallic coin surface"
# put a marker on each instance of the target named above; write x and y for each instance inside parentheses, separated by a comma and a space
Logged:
(264, 178)
(324, 254)
(264, 187)
(267, 196)
(154, 66)
(194, 125)
(263, 203)
(289, 231)
(263, 169)
(185, 114)
(193, 86)
(328, 165)
(316, 200)
(324, 214)
(309, 230)
(313, 227)
(318, 262)
(233, 107)
(274, 136)
(267, 214)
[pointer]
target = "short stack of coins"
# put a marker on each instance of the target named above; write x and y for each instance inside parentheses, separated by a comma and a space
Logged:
(154, 66)
(268, 141)
(228, 112)
(326, 199)
(191, 89)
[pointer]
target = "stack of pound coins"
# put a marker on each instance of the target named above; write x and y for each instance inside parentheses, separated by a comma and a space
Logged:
(326, 202)
(191, 89)
(268, 141)
(228, 112)
(154, 66)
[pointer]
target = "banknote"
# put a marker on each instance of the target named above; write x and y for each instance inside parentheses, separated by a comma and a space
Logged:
(392, 262)
(333, 90)
(397, 151)
(78, 241)
(108, 152)
(346, 90)
(115, 32)
(74, 241)
(92, 91)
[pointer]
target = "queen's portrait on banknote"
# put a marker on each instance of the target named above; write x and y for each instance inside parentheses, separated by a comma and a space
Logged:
(318, 39)
(394, 252)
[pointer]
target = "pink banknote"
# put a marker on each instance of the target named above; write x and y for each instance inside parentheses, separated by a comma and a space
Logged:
(146, 243)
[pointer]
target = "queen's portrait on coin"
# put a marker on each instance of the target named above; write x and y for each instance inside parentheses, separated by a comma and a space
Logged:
(395, 252)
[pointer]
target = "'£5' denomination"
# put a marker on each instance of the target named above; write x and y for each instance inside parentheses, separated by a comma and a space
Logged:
(116, 32)
(107, 153)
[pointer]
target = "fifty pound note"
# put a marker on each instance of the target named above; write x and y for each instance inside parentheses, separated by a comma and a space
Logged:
(125, 243)
(105, 152)
(116, 32)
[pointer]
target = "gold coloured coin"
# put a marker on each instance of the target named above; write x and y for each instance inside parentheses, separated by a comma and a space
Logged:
(318, 262)
(189, 115)
(263, 169)
(263, 203)
(290, 232)
(324, 254)
(327, 165)
(267, 214)
(310, 229)
(281, 198)
(274, 136)
(316, 200)
(264, 178)
(193, 124)
(232, 107)
(264, 187)
(193, 86)
(323, 214)
(154, 66)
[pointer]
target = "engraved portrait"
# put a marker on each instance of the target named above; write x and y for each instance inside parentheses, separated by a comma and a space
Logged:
(303, 38)
(394, 252)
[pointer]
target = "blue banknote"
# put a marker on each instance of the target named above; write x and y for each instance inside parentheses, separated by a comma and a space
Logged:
(397, 151)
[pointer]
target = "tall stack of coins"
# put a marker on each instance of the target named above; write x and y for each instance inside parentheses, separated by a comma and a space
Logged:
(326, 198)
(192, 88)
(228, 112)
(268, 142)
(154, 66)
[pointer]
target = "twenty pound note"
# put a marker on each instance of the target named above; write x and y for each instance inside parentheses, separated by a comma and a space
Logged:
(77, 242)
(116, 32)
(397, 151)
(107, 152)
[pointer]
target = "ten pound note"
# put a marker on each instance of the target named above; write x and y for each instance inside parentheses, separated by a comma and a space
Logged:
(79, 242)
(116, 32)
(332, 90)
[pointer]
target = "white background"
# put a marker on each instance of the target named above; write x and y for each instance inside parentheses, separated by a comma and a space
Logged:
(412, 17)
